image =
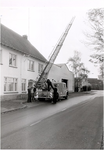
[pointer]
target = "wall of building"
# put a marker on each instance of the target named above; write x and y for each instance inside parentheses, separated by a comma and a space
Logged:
(58, 73)
(20, 72)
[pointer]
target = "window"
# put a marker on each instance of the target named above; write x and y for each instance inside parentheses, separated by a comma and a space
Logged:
(23, 85)
(40, 68)
(12, 60)
(30, 65)
(10, 84)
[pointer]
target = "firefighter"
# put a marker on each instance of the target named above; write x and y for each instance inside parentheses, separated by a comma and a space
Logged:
(55, 94)
(49, 84)
(34, 91)
(29, 95)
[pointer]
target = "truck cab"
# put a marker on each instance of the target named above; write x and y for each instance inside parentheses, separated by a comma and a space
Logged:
(62, 90)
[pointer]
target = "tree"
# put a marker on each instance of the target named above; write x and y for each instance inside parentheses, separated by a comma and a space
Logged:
(95, 38)
(75, 63)
(78, 68)
(84, 73)
(101, 70)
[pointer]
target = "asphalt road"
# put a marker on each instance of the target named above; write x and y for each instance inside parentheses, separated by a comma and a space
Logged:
(76, 123)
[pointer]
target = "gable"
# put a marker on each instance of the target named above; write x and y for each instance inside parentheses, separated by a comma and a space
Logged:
(64, 68)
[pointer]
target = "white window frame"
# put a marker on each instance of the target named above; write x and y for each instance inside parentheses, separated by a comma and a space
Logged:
(12, 60)
(23, 85)
(10, 84)
(40, 68)
(30, 67)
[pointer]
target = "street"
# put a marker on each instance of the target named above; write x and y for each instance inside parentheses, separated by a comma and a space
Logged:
(76, 123)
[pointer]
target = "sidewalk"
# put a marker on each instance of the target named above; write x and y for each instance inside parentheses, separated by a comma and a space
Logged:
(11, 105)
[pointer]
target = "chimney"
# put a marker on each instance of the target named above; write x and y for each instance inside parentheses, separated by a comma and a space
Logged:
(25, 37)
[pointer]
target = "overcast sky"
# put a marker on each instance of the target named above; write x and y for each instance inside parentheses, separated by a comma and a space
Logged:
(44, 21)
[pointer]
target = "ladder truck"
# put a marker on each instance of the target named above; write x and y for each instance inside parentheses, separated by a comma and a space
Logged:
(41, 85)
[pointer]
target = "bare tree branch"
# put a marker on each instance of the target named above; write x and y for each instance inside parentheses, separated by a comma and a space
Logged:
(95, 38)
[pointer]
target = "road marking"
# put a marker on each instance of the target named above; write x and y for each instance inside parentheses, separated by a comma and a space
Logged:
(64, 109)
(35, 123)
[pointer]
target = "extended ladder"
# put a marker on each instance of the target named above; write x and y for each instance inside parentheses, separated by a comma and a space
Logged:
(49, 64)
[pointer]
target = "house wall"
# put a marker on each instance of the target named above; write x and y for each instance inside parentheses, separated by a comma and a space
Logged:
(58, 73)
(20, 72)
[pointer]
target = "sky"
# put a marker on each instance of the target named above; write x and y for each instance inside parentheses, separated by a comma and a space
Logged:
(44, 22)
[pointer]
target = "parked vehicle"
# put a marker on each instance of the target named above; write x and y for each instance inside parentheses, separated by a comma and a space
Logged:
(44, 94)
(62, 90)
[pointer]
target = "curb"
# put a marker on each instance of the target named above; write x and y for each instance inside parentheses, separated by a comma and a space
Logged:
(23, 107)
(14, 109)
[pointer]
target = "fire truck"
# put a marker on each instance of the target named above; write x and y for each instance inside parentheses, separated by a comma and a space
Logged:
(41, 86)
(44, 94)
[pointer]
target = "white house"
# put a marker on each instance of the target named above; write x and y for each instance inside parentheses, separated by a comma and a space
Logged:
(21, 64)
(61, 73)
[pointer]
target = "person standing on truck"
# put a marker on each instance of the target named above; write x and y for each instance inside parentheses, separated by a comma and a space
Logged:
(55, 94)
(49, 84)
